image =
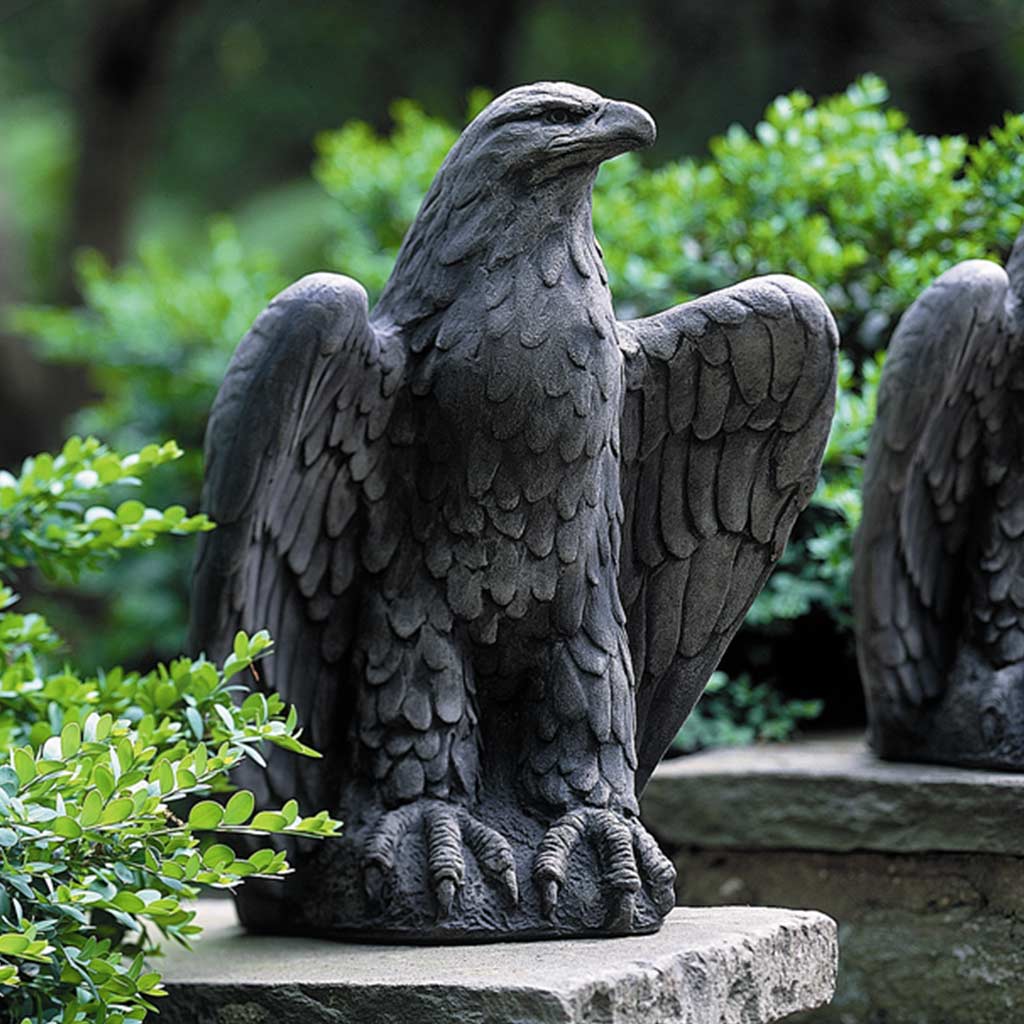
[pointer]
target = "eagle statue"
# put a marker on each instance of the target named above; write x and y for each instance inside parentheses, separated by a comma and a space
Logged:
(501, 540)
(938, 581)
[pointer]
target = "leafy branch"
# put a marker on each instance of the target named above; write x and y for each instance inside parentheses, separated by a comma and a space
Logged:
(94, 862)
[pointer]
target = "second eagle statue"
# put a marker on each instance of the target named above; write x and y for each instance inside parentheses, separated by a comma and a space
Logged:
(938, 587)
(501, 540)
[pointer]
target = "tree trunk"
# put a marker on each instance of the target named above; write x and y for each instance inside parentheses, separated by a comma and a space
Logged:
(496, 28)
(24, 388)
(118, 100)
(120, 83)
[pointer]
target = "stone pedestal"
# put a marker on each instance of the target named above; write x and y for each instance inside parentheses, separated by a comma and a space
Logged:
(921, 865)
(733, 965)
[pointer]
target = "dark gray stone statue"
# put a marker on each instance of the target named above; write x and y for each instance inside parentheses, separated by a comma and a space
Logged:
(938, 582)
(501, 539)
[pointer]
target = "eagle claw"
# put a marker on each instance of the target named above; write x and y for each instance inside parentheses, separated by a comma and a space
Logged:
(447, 830)
(628, 856)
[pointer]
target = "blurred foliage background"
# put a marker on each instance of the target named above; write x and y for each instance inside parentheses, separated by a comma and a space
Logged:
(167, 165)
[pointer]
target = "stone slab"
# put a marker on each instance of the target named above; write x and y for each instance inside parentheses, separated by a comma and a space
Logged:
(832, 794)
(728, 965)
(923, 939)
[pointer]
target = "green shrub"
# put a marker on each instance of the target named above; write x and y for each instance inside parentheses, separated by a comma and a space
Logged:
(36, 161)
(94, 864)
(157, 337)
(733, 712)
(842, 193)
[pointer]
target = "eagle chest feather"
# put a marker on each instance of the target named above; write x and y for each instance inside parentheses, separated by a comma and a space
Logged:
(543, 358)
(532, 477)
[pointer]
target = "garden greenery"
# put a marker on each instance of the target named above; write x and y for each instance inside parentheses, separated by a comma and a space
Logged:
(95, 863)
(157, 335)
(733, 712)
(842, 193)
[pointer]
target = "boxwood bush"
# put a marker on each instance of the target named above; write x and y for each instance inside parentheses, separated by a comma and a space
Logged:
(95, 863)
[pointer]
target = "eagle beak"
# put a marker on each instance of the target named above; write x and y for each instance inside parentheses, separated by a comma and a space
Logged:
(620, 127)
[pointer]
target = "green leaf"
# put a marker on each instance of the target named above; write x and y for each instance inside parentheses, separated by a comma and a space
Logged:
(150, 983)
(259, 642)
(116, 811)
(128, 902)
(218, 856)
(195, 722)
(70, 740)
(166, 695)
(268, 821)
(9, 781)
(92, 808)
(130, 512)
(290, 811)
(24, 765)
(104, 781)
(239, 808)
(225, 716)
(67, 827)
(165, 777)
(206, 815)
(12, 944)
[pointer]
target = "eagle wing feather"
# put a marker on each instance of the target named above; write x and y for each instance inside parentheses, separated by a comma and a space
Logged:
(295, 448)
(728, 404)
(921, 481)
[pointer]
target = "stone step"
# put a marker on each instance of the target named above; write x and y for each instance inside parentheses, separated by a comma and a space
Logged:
(922, 866)
(832, 794)
(729, 965)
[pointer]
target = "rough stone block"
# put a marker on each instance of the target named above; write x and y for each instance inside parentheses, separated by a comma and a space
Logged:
(923, 940)
(731, 965)
(832, 794)
(914, 862)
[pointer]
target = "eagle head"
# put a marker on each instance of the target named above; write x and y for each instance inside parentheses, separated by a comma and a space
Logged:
(538, 132)
(522, 170)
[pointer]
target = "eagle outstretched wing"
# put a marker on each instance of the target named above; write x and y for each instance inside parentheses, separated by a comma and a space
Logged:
(296, 444)
(940, 387)
(728, 404)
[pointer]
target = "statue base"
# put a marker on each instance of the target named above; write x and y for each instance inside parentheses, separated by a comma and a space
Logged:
(719, 966)
(978, 722)
(329, 894)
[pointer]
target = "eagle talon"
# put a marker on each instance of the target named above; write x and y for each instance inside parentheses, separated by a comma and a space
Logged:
(509, 884)
(657, 870)
(445, 895)
(373, 883)
(447, 832)
(549, 898)
(629, 860)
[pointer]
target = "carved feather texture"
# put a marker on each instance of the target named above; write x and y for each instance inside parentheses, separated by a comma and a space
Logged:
(941, 414)
(285, 497)
(490, 489)
(725, 424)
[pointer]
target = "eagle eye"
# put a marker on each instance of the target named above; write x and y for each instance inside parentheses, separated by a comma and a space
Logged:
(561, 116)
